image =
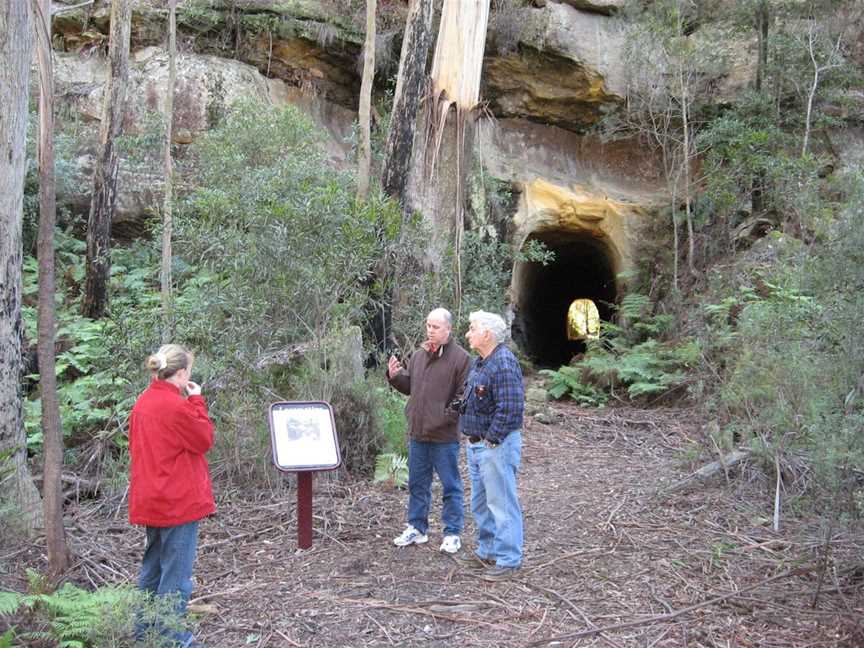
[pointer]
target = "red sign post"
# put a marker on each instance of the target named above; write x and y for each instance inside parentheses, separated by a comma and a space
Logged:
(304, 509)
(303, 435)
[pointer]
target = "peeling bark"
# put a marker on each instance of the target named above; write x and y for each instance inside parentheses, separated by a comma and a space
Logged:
(104, 197)
(410, 86)
(168, 203)
(456, 72)
(364, 166)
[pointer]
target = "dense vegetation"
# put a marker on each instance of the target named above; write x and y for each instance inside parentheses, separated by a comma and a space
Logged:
(277, 268)
(760, 326)
(275, 262)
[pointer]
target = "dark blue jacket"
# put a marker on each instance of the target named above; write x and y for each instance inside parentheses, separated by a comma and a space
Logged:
(494, 397)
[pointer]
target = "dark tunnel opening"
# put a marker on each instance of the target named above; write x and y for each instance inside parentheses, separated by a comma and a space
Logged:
(584, 267)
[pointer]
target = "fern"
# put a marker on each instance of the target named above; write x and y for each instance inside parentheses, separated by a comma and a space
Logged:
(75, 616)
(7, 637)
(567, 381)
(392, 468)
(627, 356)
(10, 602)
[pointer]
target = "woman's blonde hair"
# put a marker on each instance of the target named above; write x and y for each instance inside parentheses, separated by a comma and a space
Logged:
(168, 360)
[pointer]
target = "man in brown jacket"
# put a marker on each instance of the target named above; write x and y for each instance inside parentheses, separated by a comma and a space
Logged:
(435, 375)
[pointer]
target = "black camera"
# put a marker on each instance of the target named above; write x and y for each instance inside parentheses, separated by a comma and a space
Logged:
(458, 405)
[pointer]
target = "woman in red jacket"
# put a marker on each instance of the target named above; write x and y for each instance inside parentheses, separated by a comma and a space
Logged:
(169, 482)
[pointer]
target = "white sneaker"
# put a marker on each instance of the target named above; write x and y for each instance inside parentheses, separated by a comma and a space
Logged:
(410, 536)
(451, 544)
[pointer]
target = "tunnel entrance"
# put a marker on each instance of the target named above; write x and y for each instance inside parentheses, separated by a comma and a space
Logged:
(584, 267)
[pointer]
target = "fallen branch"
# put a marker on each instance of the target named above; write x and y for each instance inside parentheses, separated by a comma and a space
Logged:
(411, 608)
(234, 538)
(663, 618)
(709, 470)
(60, 9)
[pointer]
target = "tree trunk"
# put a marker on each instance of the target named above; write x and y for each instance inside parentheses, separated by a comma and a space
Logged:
(684, 99)
(52, 434)
(104, 196)
(168, 205)
(364, 165)
(410, 85)
(440, 187)
(813, 87)
(14, 78)
(762, 25)
(757, 205)
(688, 200)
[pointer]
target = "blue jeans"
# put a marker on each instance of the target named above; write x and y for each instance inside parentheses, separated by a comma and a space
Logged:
(166, 570)
(423, 457)
(494, 501)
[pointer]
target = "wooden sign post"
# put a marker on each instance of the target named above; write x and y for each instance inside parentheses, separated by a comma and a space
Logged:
(303, 436)
(304, 509)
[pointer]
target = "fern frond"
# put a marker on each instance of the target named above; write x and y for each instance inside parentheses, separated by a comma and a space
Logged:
(391, 467)
(7, 637)
(10, 602)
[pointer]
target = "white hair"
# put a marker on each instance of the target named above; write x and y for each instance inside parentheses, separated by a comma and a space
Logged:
(491, 322)
(441, 314)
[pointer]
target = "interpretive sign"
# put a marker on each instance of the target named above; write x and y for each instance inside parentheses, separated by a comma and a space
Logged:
(303, 435)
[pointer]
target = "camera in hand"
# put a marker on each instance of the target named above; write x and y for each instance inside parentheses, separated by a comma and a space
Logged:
(458, 405)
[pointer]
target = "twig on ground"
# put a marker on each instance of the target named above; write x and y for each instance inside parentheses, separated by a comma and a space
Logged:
(674, 615)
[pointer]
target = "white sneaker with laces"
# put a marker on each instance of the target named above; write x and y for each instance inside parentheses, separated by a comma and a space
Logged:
(451, 544)
(410, 536)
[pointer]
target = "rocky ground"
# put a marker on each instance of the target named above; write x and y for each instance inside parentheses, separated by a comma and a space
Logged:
(609, 560)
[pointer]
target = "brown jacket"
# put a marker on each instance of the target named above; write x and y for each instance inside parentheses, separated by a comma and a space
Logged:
(431, 381)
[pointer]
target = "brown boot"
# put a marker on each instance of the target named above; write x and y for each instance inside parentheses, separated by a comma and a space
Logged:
(472, 561)
(497, 573)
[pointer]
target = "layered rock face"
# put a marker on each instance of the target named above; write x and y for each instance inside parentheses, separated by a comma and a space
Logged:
(552, 71)
(564, 69)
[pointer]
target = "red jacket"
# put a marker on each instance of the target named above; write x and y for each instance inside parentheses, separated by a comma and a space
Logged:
(169, 481)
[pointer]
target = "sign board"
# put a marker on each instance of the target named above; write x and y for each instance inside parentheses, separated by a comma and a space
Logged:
(303, 435)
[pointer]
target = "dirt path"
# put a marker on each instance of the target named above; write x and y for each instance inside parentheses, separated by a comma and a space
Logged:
(600, 551)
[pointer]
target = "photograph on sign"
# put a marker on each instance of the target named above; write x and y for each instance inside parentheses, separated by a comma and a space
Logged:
(303, 436)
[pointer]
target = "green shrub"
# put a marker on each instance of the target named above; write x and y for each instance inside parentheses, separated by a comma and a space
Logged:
(93, 364)
(272, 251)
(791, 382)
(391, 417)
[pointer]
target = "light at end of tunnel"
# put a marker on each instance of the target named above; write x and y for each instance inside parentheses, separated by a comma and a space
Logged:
(583, 320)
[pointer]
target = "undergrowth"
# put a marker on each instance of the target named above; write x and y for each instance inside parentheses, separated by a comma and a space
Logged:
(72, 617)
(629, 362)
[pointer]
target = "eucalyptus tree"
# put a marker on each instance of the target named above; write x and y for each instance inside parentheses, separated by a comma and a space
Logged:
(52, 490)
(104, 198)
(447, 125)
(168, 200)
(15, 52)
(364, 166)
(411, 83)
(668, 68)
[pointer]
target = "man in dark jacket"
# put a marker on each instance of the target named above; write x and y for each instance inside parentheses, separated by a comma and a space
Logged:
(434, 378)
